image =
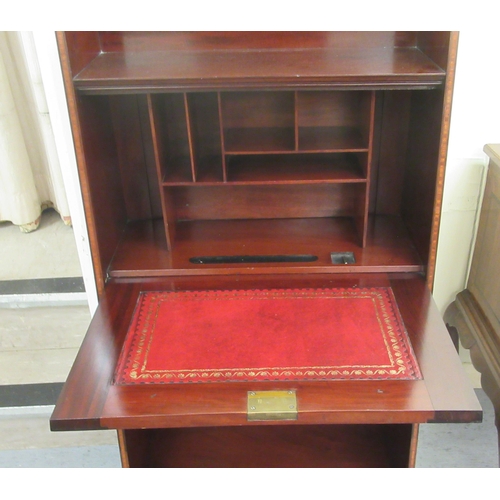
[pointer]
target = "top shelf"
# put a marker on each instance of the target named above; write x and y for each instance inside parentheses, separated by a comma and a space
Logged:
(348, 67)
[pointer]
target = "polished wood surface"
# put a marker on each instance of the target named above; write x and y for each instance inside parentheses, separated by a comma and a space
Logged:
(399, 68)
(272, 446)
(400, 166)
(143, 251)
(474, 317)
(193, 405)
(200, 60)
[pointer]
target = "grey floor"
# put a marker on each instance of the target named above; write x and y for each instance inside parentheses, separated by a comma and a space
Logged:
(460, 445)
(39, 340)
(28, 443)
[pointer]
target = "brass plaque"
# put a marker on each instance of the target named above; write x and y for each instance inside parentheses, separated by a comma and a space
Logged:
(272, 405)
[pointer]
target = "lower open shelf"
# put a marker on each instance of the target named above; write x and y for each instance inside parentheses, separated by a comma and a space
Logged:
(143, 250)
(272, 446)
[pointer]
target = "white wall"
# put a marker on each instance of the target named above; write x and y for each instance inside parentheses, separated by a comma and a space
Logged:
(475, 121)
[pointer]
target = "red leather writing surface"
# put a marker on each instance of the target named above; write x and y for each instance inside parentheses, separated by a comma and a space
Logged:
(256, 335)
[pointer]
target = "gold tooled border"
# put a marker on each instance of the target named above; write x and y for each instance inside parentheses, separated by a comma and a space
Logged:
(402, 364)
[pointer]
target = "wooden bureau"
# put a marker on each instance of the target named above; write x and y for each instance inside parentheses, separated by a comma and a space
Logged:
(241, 161)
(473, 318)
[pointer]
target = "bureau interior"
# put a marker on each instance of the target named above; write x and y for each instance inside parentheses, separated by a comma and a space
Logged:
(352, 164)
(260, 146)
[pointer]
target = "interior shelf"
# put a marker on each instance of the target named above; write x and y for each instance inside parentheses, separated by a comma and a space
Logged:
(298, 168)
(143, 250)
(379, 67)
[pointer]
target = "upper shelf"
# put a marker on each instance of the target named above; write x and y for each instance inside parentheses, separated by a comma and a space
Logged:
(349, 67)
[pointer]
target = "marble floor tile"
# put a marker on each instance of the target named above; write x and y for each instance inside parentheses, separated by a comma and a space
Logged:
(26, 441)
(36, 366)
(89, 457)
(39, 344)
(26, 428)
(48, 252)
(31, 328)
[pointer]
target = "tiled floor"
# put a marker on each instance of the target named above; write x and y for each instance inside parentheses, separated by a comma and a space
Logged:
(40, 335)
(26, 441)
(38, 345)
(48, 252)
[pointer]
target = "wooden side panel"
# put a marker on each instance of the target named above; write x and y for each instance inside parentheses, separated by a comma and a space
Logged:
(395, 115)
(419, 191)
(149, 157)
(483, 280)
(106, 205)
(68, 49)
(134, 174)
(448, 51)
(414, 138)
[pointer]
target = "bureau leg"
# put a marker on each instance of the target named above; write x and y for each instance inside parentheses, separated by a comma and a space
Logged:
(462, 332)
(452, 317)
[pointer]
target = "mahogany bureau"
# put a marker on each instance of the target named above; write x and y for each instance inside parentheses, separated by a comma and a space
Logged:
(263, 168)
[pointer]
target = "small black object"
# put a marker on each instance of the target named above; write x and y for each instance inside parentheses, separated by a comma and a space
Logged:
(343, 258)
(251, 259)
